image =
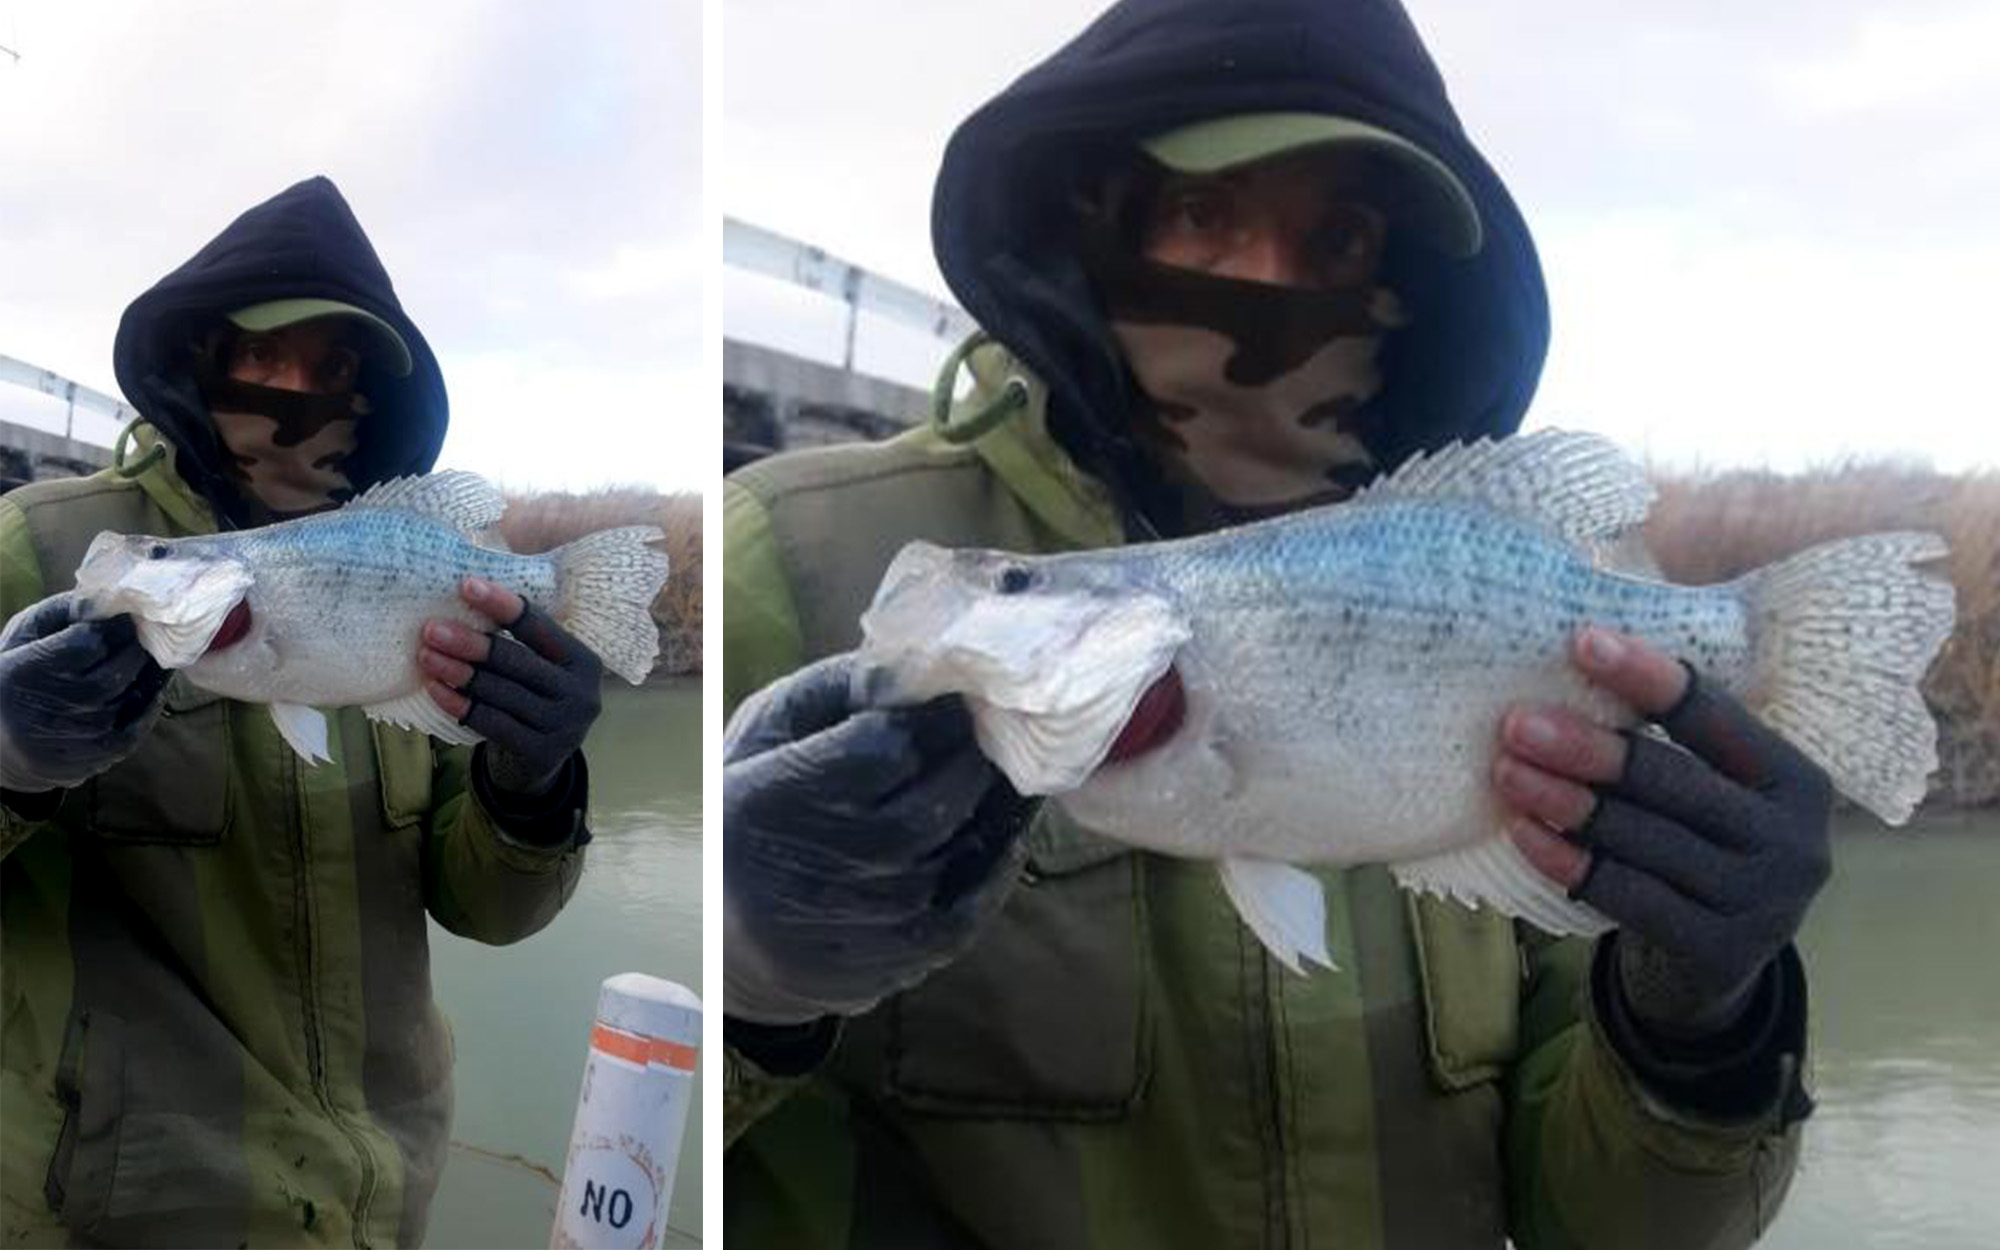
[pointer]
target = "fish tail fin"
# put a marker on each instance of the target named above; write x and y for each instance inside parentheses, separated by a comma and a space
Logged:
(1842, 635)
(605, 586)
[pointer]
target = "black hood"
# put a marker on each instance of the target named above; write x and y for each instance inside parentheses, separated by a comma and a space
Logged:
(302, 243)
(1005, 228)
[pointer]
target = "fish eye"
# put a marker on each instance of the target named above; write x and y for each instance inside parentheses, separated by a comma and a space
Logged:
(157, 552)
(1014, 579)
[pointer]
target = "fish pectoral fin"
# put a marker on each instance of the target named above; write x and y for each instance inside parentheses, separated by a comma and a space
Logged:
(1284, 906)
(417, 710)
(1495, 874)
(303, 729)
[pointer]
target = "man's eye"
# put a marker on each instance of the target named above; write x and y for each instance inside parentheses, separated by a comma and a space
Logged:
(1202, 212)
(340, 368)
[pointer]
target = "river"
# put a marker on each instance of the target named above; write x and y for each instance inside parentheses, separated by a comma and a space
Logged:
(1903, 949)
(521, 1015)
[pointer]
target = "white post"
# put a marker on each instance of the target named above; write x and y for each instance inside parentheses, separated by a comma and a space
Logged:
(631, 1117)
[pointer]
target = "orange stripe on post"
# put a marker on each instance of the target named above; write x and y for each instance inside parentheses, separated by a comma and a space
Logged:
(633, 1048)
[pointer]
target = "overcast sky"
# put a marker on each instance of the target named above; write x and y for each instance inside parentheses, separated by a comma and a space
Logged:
(529, 173)
(1771, 231)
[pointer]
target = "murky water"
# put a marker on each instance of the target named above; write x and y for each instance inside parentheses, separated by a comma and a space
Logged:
(521, 1015)
(1904, 955)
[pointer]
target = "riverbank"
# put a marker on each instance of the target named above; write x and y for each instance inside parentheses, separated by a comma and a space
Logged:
(1715, 526)
(542, 522)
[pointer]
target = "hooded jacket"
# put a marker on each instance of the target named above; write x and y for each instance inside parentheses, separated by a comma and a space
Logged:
(1115, 1061)
(216, 1020)
(303, 242)
(1005, 230)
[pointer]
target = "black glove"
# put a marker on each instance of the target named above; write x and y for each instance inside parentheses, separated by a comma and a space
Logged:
(75, 696)
(1709, 858)
(862, 847)
(533, 700)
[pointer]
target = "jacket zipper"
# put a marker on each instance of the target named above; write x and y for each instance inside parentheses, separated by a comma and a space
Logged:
(302, 898)
(1270, 1100)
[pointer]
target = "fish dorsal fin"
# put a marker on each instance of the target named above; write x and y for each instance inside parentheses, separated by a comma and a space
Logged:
(465, 501)
(1579, 485)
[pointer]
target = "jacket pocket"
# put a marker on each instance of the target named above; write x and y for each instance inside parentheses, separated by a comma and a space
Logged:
(1047, 1016)
(403, 761)
(1470, 967)
(90, 1080)
(175, 787)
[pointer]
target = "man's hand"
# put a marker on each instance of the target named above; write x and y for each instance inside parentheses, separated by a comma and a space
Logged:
(533, 697)
(75, 696)
(862, 847)
(1708, 856)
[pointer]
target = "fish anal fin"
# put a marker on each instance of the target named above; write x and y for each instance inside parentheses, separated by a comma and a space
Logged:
(1580, 486)
(303, 729)
(465, 501)
(1284, 906)
(417, 710)
(1494, 873)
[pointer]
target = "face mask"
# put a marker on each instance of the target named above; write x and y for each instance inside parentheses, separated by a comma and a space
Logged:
(289, 450)
(1261, 395)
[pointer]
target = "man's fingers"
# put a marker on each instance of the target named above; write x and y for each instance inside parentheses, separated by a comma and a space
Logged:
(1641, 674)
(1553, 800)
(1678, 856)
(447, 669)
(1563, 743)
(511, 660)
(1657, 912)
(460, 642)
(794, 707)
(1552, 855)
(1690, 791)
(517, 700)
(41, 620)
(1695, 713)
(500, 728)
(454, 704)
(496, 603)
(1722, 731)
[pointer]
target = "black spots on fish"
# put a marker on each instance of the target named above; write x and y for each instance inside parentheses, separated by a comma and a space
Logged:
(1014, 579)
(158, 551)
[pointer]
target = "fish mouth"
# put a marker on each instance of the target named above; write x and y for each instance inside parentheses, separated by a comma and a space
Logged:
(1156, 718)
(234, 626)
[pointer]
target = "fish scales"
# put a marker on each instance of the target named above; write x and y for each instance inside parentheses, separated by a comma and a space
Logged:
(1399, 635)
(1326, 688)
(370, 578)
(328, 610)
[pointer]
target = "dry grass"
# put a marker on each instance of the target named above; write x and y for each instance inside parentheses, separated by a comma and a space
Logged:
(535, 523)
(1713, 527)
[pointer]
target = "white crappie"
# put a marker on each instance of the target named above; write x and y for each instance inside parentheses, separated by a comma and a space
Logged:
(336, 602)
(1345, 669)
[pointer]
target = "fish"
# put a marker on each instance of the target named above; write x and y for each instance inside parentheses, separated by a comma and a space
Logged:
(326, 611)
(1325, 688)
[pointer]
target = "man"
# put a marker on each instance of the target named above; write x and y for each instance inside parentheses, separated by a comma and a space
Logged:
(1233, 260)
(218, 1017)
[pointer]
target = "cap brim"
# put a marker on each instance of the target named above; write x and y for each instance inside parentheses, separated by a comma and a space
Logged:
(1445, 210)
(277, 314)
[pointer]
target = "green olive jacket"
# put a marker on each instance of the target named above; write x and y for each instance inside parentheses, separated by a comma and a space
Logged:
(218, 1026)
(1116, 1062)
